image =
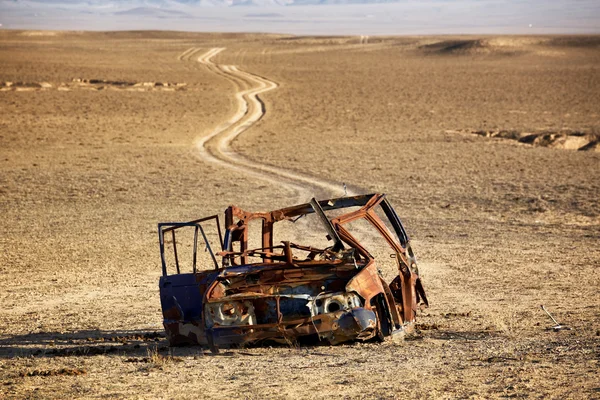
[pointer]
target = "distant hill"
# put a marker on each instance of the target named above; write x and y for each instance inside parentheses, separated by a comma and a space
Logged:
(308, 17)
(142, 6)
(153, 12)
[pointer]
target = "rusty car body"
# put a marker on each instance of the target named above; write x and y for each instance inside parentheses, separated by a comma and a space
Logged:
(289, 292)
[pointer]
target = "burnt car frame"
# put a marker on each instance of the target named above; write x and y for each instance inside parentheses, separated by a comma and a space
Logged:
(289, 292)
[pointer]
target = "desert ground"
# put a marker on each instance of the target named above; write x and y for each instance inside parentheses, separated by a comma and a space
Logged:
(486, 146)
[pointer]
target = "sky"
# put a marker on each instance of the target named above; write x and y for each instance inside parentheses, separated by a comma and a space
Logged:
(405, 17)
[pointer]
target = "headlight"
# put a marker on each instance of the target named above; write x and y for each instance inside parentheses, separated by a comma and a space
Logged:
(229, 313)
(329, 303)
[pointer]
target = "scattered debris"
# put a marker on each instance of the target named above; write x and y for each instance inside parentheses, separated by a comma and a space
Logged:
(567, 139)
(557, 327)
(290, 292)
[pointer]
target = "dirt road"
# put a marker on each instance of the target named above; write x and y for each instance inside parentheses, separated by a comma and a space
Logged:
(216, 146)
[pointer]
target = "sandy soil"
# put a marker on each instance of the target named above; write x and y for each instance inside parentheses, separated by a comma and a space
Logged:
(499, 226)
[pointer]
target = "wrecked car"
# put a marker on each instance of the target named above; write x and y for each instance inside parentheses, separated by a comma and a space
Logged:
(325, 281)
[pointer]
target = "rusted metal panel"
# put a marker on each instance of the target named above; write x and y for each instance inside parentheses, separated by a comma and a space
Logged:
(288, 292)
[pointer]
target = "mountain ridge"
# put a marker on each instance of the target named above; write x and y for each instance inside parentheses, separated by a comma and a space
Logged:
(127, 5)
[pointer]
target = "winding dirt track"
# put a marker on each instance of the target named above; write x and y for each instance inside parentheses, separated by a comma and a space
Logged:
(216, 146)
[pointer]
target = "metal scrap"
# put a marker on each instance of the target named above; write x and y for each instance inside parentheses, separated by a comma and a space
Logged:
(557, 326)
(289, 292)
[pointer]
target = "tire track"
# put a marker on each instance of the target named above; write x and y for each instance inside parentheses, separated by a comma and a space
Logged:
(187, 54)
(216, 146)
